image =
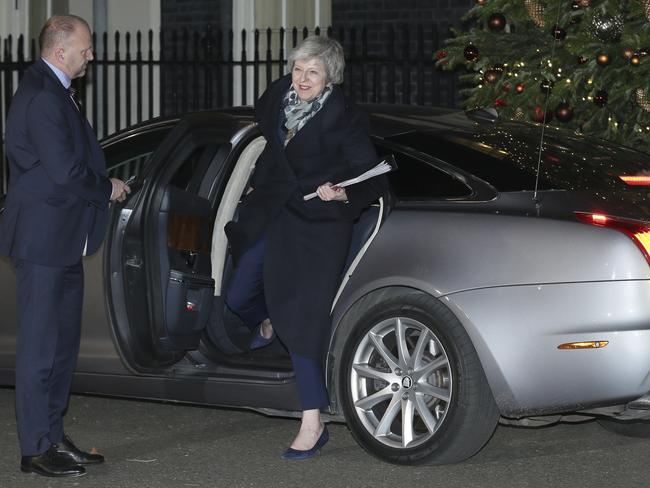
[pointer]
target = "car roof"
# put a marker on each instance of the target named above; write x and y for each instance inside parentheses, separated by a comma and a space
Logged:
(569, 160)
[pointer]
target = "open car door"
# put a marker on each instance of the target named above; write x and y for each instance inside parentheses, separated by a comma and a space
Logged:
(161, 243)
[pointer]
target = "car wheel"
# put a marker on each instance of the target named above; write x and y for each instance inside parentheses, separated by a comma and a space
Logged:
(629, 428)
(412, 387)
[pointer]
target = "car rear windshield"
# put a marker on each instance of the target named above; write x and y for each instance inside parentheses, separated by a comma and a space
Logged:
(506, 156)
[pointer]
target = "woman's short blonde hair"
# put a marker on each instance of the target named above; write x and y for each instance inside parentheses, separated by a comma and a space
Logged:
(327, 50)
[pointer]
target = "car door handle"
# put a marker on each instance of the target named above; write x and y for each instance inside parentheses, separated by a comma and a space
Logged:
(133, 262)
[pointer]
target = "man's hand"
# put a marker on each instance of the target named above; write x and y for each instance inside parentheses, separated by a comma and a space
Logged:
(120, 190)
(328, 192)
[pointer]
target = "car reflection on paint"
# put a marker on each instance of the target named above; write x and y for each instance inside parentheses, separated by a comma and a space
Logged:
(483, 287)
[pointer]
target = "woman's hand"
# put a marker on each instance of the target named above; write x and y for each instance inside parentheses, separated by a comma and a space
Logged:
(328, 192)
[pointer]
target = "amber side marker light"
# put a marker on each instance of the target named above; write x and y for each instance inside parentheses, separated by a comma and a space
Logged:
(636, 180)
(583, 345)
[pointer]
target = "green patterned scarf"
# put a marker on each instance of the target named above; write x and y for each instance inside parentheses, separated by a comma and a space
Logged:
(297, 113)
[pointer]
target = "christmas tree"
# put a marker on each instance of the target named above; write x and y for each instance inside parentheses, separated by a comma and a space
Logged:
(582, 64)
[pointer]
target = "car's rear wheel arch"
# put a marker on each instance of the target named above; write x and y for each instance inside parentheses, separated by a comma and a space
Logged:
(453, 437)
(345, 325)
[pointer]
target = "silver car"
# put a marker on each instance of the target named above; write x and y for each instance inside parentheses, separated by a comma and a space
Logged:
(489, 284)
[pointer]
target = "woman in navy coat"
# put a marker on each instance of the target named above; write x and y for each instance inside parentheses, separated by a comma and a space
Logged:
(289, 253)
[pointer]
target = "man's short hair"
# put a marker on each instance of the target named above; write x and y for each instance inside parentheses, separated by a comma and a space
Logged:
(57, 29)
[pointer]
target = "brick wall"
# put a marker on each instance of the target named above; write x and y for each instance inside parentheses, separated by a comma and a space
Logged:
(391, 62)
(379, 15)
(402, 21)
(196, 14)
(181, 85)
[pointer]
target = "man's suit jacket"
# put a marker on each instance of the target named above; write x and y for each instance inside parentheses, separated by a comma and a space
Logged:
(58, 189)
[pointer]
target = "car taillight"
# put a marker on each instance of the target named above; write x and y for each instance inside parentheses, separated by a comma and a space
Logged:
(633, 180)
(637, 230)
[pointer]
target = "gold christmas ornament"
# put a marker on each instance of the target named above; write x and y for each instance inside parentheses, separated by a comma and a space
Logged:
(536, 11)
(641, 99)
(603, 59)
(518, 114)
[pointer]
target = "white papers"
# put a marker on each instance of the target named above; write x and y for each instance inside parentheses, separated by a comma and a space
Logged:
(388, 164)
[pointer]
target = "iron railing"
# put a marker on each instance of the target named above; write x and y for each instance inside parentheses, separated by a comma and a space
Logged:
(138, 77)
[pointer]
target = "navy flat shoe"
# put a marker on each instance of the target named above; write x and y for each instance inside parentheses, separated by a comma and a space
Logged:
(259, 340)
(297, 455)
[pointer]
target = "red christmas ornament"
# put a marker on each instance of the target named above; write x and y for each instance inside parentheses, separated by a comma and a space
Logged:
(497, 22)
(563, 112)
(519, 87)
(440, 57)
(539, 116)
(500, 102)
(506, 87)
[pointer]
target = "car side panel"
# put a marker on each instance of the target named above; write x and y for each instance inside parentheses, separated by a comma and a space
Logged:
(526, 282)
(443, 252)
(517, 330)
(97, 353)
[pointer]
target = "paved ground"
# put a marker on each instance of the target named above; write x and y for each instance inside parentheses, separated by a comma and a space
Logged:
(161, 445)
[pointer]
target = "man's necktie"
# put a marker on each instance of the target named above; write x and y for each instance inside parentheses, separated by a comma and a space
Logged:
(73, 95)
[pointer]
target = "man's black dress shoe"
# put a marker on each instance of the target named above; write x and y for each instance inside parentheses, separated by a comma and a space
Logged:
(77, 456)
(51, 463)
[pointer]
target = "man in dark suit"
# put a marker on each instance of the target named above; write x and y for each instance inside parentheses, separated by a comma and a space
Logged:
(56, 211)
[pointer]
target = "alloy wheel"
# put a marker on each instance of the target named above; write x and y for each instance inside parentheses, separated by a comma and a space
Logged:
(401, 382)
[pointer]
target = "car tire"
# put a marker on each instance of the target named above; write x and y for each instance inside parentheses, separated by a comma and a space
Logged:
(629, 428)
(412, 387)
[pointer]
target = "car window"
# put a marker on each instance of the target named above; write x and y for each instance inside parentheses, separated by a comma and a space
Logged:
(506, 156)
(128, 156)
(417, 180)
(482, 160)
(190, 173)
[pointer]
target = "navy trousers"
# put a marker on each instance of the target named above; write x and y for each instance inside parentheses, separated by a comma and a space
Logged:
(245, 297)
(245, 292)
(47, 345)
